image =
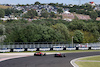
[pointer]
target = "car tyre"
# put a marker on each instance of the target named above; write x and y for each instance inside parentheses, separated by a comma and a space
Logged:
(44, 54)
(64, 56)
(34, 54)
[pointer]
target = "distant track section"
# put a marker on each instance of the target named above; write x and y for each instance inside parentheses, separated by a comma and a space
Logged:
(45, 61)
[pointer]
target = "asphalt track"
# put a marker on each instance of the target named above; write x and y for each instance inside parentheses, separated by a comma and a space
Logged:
(45, 61)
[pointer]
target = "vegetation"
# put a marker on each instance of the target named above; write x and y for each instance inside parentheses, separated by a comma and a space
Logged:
(44, 13)
(95, 58)
(93, 15)
(49, 30)
(59, 10)
(30, 14)
(37, 3)
(89, 64)
(4, 7)
(2, 13)
(78, 36)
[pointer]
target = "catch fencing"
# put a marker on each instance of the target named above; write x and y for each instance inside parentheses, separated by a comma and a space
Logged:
(44, 44)
(33, 44)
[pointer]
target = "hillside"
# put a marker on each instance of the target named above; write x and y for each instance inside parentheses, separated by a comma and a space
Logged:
(4, 7)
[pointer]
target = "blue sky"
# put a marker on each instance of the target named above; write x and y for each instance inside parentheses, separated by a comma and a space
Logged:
(47, 1)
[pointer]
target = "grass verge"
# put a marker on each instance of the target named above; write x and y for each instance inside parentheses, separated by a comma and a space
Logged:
(95, 58)
(89, 64)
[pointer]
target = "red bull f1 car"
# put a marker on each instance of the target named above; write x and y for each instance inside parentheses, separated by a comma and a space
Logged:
(39, 54)
(59, 55)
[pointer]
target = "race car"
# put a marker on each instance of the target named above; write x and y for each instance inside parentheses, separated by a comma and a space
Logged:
(59, 55)
(39, 54)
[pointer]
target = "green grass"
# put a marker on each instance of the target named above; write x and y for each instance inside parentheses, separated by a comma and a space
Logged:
(96, 58)
(88, 64)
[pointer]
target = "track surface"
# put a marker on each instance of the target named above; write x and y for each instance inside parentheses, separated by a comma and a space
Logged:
(45, 61)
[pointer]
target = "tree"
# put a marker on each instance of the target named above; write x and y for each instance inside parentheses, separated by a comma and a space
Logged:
(77, 25)
(15, 34)
(53, 4)
(98, 13)
(61, 28)
(59, 10)
(60, 5)
(37, 3)
(88, 7)
(44, 13)
(92, 27)
(72, 10)
(31, 14)
(8, 11)
(52, 14)
(88, 37)
(1, 29)
(78, 36)
(93, 15)
(2, 13)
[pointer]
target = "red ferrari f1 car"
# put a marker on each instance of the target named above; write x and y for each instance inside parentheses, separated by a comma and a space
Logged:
(59, 55)
(39, 54)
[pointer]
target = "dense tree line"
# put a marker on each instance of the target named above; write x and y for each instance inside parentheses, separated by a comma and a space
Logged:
(30, 14)
(35, 33)
(9, 11)
(49, 30)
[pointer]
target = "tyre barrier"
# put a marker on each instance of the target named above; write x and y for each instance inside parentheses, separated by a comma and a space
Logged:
(18, 49)
(83, 48)
(37, 49)
(89, 48)
(4, 50)
(64, 48)
(77, 48)
(46, 49)
(95, 48)
(51, 49)
(25, 49)
(31, 49)
(71, 48)
(11, 50)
